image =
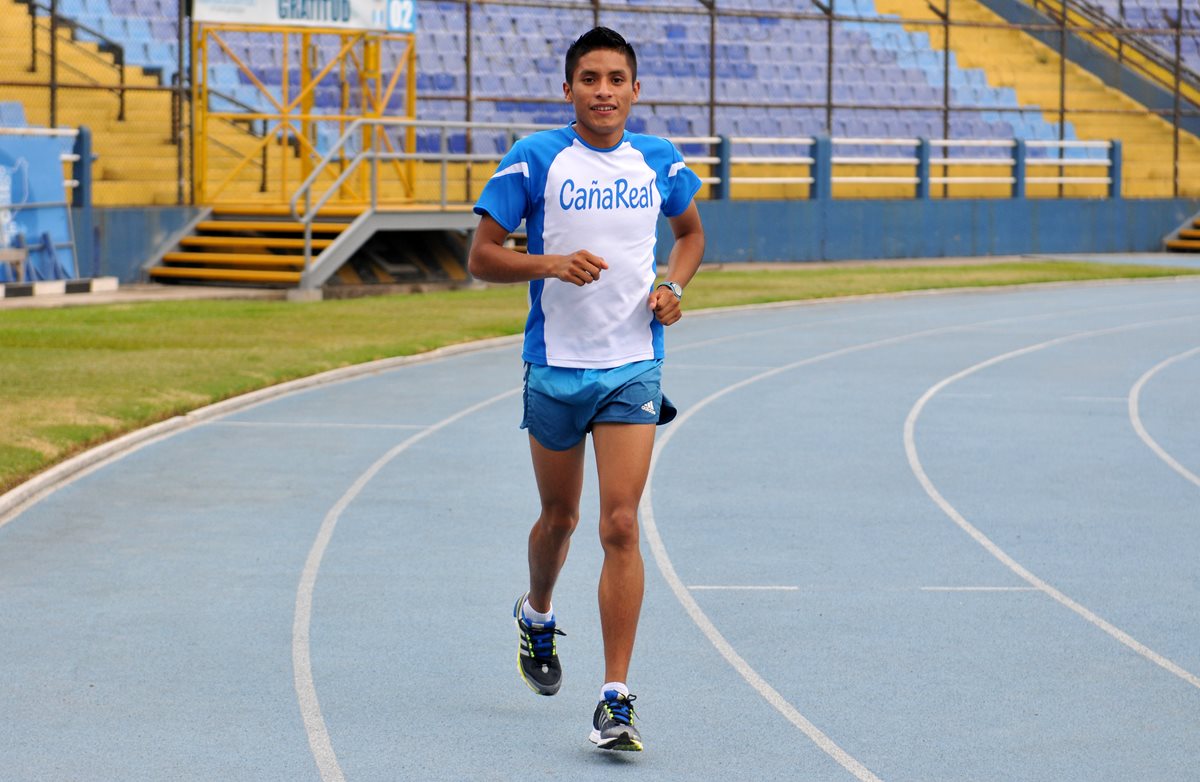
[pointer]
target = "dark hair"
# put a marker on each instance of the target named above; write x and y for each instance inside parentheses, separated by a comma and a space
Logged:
(600, 38)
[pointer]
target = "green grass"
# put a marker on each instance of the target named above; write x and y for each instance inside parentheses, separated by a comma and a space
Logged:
(78, 376)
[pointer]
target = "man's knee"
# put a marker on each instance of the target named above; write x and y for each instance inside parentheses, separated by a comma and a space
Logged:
(559, 519)
(619, 529)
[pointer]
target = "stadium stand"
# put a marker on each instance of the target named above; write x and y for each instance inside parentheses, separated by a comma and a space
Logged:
(136, 159)
(1154, 21)
(771, 80)
(1013, 60)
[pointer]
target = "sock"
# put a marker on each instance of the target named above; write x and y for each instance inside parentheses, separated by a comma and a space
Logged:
(618, 686)
(536, 616)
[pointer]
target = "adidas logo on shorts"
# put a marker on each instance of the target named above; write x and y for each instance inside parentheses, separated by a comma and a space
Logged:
(649, 407)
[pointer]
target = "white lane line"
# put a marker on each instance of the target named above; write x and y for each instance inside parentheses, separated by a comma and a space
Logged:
(1135, 397)
(914, 462)
(306, 691)
(979, 589)
(1120, 399)
(311, 425)
(743, 588)
(719, 367)
(684, 596)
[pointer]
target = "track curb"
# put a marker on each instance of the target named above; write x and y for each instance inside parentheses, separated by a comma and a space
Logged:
(42, 485)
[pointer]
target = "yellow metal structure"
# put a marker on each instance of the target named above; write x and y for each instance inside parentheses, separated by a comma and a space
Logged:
(265, 168)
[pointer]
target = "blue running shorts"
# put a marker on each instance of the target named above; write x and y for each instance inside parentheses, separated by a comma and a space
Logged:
(563, 404)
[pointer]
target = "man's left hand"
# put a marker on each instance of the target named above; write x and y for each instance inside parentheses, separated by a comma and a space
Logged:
(665, 306)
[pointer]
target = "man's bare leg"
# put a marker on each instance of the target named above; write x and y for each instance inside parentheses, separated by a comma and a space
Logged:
(623, 462)
(559, 477)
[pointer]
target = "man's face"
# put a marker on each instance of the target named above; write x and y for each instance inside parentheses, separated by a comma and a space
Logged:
(603, 91)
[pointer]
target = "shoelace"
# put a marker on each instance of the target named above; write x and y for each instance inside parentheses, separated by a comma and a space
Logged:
(540, 642)
(621, 709)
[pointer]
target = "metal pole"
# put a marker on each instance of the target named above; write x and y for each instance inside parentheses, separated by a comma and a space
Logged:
(191, 110)
(1062, 86)
(946, 94)
(712, 69)
(33, 37)
(469, 113)
(177, 104)
(81, 202)
(1120, 37)
(923, 152)
(120, 55)
(1114, 168)
(723, 190)
(829, 70)
(822, 169)
(1018, 168)
(444, 148)
(53, 63)
(1175, 110)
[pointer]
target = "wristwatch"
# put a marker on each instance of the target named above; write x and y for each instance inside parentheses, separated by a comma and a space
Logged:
(674, 287)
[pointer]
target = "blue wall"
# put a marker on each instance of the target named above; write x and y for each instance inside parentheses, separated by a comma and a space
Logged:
(127, 237)
(846, 230)
(804, 230)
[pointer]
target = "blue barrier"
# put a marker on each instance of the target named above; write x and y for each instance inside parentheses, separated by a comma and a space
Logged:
(34, 211)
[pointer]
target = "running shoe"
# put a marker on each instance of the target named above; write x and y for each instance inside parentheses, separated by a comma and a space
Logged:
(612, 724)
(538, 658)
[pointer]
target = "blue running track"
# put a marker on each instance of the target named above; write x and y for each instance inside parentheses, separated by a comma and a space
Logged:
(925, 537)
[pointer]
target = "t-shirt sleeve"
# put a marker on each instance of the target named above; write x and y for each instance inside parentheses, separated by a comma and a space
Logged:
(682, 185)
(505, 197)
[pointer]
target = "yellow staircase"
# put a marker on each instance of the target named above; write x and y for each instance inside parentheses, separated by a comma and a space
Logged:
(1010, 58)
(1188, 240)
(259, 245)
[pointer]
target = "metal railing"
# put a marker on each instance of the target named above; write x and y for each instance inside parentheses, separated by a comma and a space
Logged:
(106, 44)
(820, 163)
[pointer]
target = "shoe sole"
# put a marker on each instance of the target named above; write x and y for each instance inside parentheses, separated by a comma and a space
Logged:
(621, 743)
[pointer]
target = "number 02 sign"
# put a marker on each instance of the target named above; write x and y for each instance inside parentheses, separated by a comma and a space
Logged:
(401, 16)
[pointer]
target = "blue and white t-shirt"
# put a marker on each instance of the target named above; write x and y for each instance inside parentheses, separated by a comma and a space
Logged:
(572, 197)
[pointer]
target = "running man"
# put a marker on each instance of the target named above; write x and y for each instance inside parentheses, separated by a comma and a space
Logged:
(590, 194)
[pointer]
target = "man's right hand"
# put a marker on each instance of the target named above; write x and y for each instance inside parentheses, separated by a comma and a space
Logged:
(579, 268)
